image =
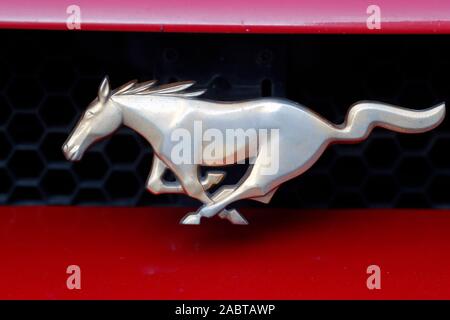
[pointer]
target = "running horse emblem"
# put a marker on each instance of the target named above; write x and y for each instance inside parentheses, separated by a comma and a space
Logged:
(155, 111)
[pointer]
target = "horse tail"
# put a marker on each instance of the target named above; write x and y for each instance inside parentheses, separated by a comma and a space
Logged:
(364, 116)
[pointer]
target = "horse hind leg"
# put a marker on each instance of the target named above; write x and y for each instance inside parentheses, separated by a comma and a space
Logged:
(257, 186)
(261, 183)
(231, 215)
(267, 197)
(244, 191)
(192, 189)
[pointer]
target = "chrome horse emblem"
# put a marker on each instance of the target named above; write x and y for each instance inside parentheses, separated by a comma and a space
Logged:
(156, 111)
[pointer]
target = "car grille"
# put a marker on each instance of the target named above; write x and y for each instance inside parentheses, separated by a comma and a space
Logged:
(47, 78)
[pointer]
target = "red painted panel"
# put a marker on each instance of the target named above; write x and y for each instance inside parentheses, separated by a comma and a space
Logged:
(143, 253)
(262, 16)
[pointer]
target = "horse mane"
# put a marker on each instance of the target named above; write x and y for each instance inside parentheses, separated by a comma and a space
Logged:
(174, 89)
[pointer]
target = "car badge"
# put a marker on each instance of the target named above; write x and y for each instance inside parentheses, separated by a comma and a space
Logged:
(280, 139)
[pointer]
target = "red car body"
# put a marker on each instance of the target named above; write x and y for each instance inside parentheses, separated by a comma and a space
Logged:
(131, 253)
(265, 16)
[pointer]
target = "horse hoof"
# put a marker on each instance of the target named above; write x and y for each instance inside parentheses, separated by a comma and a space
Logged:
(233, 216)
(191, 218)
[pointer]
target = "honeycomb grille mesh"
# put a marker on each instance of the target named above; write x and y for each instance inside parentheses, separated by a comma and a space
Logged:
(47, 79)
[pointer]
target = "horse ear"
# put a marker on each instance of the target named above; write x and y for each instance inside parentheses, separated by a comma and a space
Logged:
(104, 90)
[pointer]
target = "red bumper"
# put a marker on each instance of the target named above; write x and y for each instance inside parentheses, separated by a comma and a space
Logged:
(144, 253)
(264, 16)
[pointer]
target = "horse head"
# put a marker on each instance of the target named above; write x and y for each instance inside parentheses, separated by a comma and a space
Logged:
(101, 118)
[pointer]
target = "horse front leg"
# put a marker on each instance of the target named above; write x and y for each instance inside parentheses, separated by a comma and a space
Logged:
(157, 185)
(187, 174)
